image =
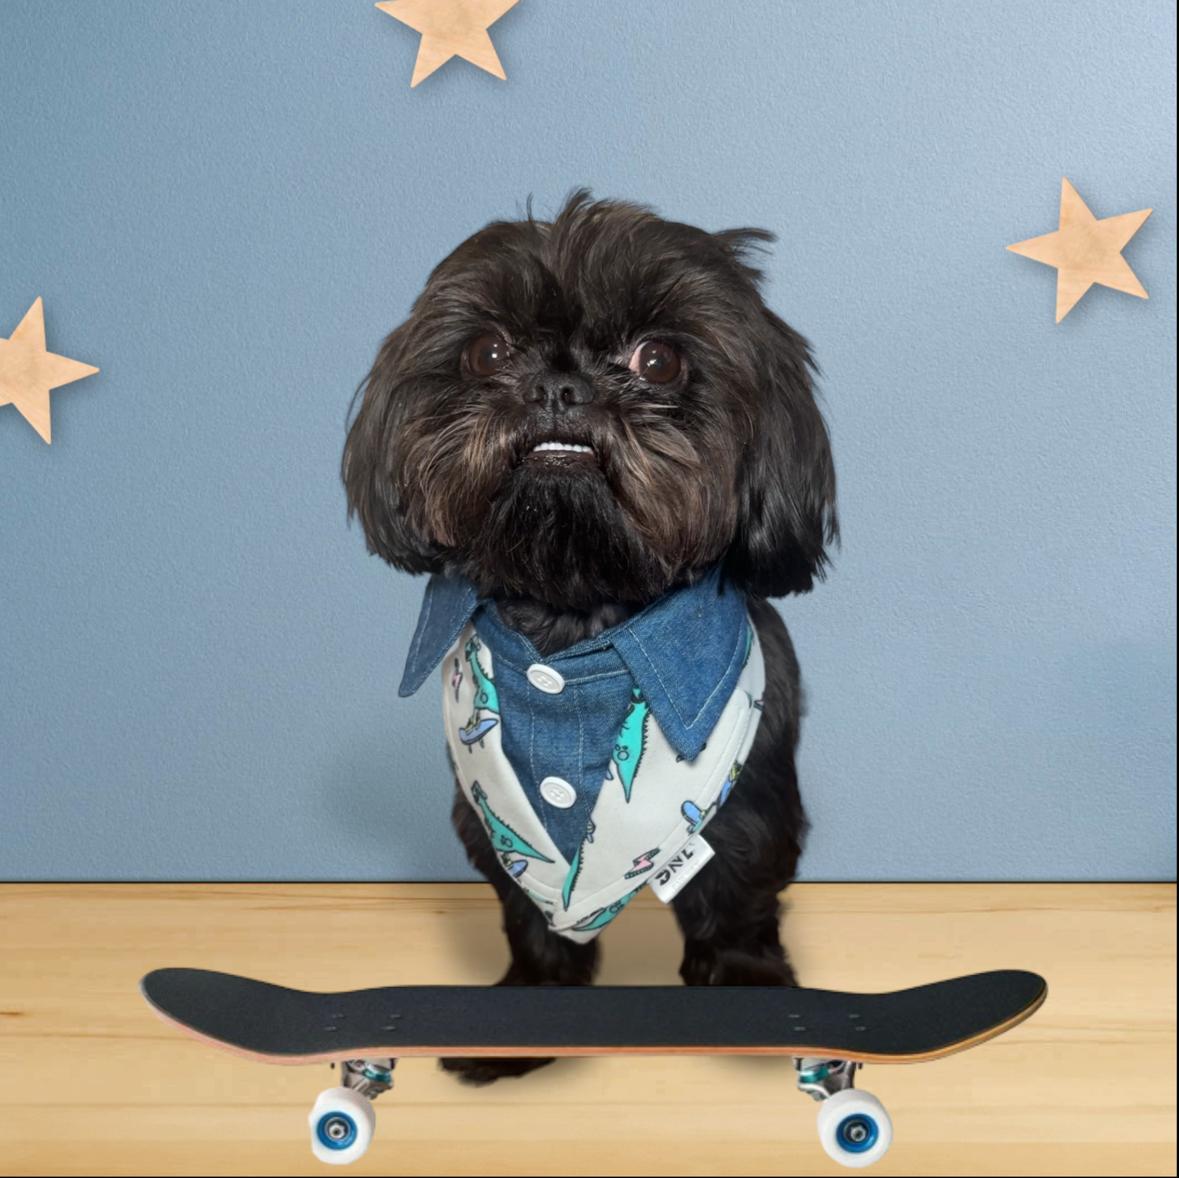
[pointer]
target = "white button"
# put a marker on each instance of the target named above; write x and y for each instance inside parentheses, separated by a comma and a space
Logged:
(546, 679)
(558, 792)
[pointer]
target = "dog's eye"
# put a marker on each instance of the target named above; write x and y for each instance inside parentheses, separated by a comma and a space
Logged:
(487, 354)
(656, 362)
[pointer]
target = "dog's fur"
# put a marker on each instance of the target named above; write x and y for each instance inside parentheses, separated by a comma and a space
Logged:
(729, 462)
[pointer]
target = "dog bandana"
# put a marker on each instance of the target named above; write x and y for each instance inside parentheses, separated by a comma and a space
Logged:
(595, 768)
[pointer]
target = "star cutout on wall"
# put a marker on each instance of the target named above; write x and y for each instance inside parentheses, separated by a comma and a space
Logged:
(1085, 250)
(451, 28)
(28, 371)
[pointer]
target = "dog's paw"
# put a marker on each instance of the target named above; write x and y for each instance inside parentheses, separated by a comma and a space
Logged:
(736, 968)
(487, 1070)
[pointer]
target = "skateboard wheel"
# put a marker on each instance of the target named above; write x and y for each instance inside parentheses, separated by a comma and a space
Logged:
(342, 1123)
(854, 1127)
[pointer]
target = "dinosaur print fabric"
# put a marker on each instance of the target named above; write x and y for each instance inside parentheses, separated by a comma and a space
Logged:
(652, 800)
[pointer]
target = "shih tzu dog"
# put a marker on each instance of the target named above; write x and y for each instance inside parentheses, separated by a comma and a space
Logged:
(606, 450)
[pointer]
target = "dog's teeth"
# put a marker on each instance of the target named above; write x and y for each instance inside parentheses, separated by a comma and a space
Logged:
(576, 447)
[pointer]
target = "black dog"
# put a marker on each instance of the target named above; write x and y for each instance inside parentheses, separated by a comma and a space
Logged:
(648, 341)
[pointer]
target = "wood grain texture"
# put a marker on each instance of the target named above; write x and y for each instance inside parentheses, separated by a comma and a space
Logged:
(91, 1082)
(1085, 250)
(29, 372)
(451, 28)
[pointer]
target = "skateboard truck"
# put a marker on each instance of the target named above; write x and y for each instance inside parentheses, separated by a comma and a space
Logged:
(820, 1078)
(369, 1077)
(342, 1119)
(854, 1127)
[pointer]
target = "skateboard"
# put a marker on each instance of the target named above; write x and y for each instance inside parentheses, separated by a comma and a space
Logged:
(827, 1034)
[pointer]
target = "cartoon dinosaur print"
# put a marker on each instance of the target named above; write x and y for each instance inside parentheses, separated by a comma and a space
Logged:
(603, 916)
(729, 782)
(571, 878)
(575, 866)
(642, 863)
(456, 678)
(503, 838)
(695, 816)
(486, 696)
(632, 741)
(475, 729)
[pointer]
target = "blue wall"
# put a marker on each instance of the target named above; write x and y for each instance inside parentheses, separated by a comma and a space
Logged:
(226, 206)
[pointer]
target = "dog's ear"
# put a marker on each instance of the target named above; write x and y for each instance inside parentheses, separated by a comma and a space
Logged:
(370, 466)
(786, 483)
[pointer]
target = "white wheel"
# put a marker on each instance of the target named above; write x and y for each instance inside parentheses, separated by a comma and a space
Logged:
(342, 1123)
(854, 1127)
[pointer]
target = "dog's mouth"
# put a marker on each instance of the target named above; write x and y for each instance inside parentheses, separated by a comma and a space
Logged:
(562, 452)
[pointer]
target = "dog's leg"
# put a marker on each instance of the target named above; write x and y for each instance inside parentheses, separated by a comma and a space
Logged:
(729, 913)
(730, 934)
(539, 956)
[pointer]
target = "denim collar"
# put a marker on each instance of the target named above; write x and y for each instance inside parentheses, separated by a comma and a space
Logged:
(684, 651)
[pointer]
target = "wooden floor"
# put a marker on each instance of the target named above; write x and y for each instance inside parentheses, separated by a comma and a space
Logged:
(92, 1083)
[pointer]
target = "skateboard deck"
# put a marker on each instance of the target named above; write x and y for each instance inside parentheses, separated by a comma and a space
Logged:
(828, 1034)
(281, 1025)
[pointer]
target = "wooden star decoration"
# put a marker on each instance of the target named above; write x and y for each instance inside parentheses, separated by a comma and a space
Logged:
(1085, 250)
(28, 371)
(451, 28)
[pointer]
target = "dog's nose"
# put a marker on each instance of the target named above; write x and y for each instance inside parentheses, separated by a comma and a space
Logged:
(558, 391)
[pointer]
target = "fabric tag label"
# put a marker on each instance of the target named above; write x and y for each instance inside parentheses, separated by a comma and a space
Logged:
(679, 869)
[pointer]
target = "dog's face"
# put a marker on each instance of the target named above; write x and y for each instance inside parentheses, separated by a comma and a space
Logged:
(589, 410)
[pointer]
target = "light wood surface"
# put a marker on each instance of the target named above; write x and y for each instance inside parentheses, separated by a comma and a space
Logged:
(451, 28)
(1085, 250)
(29, 372)
(91, 1082)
